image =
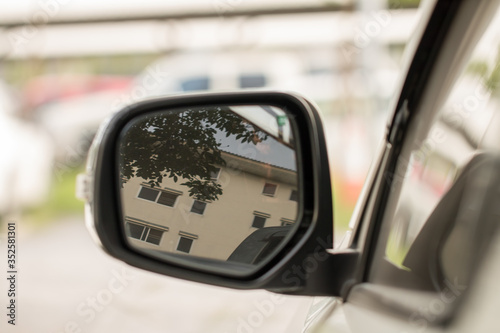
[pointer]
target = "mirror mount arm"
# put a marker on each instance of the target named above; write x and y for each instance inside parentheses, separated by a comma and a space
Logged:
(322, 274)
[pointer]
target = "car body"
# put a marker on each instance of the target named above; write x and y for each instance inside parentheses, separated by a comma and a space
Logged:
(422, 254)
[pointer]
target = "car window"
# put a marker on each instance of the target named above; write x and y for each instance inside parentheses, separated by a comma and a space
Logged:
(433, 218)
(252, 81)
(195, 84)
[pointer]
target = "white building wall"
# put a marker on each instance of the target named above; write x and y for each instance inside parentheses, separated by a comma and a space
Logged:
(226, 222)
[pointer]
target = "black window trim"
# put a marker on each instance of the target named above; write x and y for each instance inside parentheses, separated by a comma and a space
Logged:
(186, 235)
(262, 215)
(368, 225)
(160, 190)
(216, 178)
(204, 208)
(269, 194)
(151, 226)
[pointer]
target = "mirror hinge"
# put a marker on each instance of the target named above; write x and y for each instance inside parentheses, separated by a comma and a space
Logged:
(83, 191)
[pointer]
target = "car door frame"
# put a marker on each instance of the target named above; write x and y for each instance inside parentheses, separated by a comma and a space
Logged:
(370, 208)
(438, 38)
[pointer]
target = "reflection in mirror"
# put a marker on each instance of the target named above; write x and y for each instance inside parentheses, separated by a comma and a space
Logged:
(215, 182)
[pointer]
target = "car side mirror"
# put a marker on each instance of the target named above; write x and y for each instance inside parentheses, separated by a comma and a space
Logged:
(229, 189)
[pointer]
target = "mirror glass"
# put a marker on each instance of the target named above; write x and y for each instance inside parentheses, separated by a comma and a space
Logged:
(218, 183)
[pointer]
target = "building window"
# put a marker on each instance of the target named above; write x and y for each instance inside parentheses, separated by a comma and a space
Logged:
(147, 193)
(269, 189)
(145, 233)
(185, 242)
(135, 230)
(165, 197)
(252, 81)
(195, 84)
(215, 174)
(285, 222)
(198, 207)
(259, 219)
(294, 196)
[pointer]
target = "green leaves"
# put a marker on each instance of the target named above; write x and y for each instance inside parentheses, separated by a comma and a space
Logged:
(204, 190)
(182, 145)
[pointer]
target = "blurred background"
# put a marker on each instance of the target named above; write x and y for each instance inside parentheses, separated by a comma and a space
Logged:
(65, 65)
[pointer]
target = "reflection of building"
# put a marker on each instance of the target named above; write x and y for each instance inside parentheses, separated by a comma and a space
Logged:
(255, 195)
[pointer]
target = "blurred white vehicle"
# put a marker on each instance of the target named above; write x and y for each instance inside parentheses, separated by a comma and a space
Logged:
(71, 122)
(27, 159)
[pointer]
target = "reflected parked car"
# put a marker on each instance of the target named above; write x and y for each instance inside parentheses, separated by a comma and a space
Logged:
(260, 244)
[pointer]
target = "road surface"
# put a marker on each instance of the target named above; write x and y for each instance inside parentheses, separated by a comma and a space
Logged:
(67, 284)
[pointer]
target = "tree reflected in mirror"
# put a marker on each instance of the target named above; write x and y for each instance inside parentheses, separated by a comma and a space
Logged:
(184, 146)
(202, 181)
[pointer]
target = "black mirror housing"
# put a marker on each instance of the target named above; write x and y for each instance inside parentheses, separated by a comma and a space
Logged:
(300, 266)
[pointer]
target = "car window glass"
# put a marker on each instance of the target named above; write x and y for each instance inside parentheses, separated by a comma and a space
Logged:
(436, 207)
